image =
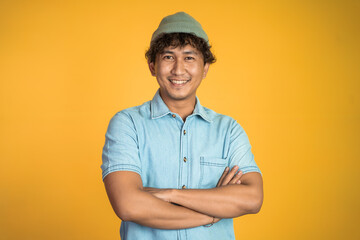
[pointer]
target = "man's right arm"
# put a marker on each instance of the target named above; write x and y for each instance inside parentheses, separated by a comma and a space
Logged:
(131, 203)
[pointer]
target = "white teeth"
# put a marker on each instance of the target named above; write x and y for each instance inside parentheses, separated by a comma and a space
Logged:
(178, 82)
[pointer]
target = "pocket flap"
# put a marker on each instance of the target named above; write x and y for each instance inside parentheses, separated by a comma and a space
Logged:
(211, 161)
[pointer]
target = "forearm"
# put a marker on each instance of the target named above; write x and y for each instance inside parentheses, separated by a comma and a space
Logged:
(132, 203)
(235, 195)
(224, 202)
(153, 212)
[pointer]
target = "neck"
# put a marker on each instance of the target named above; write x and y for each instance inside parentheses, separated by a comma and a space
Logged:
(182, 107)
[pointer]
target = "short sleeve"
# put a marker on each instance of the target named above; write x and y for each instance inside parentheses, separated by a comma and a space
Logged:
(240, 150)
(120, 152)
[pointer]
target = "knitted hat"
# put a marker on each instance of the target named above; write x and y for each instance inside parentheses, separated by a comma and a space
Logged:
(180, 22)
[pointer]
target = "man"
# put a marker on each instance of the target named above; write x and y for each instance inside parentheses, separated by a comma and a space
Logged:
(172, 168)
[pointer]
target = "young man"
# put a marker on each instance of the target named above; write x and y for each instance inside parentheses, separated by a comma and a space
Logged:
(172, 168)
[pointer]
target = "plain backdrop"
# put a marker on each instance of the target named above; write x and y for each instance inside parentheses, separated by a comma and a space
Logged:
(287, 71)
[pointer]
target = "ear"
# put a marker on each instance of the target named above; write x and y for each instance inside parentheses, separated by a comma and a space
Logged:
(206, 69)
(152, 68)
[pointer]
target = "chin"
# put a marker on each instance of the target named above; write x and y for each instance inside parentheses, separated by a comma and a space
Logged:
(178, 97)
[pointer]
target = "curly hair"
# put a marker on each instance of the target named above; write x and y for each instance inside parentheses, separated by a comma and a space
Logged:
(179, 40)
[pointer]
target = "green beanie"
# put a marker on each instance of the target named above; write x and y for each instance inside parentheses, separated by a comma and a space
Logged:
(180, 22)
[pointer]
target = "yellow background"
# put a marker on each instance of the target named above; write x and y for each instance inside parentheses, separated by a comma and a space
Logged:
(288, 71)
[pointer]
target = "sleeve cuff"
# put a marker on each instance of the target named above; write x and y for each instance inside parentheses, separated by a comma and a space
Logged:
(250, 169)
(123, 167)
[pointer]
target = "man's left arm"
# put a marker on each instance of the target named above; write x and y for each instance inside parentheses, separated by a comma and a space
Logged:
(228, 200)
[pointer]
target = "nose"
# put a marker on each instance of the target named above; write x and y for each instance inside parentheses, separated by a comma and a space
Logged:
(178, 68)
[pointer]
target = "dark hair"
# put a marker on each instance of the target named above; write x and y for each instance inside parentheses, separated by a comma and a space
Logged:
(179, 39)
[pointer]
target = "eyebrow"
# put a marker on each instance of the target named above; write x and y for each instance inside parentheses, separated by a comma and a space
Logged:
(190, 52)
(167, 51)
(185, 52)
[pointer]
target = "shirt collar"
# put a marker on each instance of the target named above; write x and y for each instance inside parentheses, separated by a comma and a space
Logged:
(200, 110)
(159, 108)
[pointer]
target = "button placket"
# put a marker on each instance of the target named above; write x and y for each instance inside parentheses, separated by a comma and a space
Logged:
(184, 151)
(185, 159)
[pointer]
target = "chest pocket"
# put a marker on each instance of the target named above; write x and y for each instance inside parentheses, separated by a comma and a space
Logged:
(211, 170)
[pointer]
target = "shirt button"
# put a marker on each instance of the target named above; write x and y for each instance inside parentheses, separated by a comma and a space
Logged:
(184, 132)
(185, 159)
(183, 187)
(174, 116)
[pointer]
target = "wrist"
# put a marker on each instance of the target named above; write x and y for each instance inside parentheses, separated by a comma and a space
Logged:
(173, 195)
(211, 223)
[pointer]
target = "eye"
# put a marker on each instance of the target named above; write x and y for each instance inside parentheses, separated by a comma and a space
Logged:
(168, 57)
(188, 58)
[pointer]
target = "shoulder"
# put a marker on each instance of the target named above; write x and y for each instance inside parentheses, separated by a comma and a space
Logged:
(141, 111)
(224, 122)
(129, 116)
(219, 118)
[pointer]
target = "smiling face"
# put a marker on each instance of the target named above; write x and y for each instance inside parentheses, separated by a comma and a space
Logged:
(179, 72)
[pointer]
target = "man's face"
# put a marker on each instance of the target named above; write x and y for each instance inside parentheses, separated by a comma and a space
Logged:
(179, 72)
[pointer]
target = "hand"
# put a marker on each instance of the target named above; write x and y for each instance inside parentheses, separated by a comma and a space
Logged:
(228, 178)
(162, 193)
(216, 219)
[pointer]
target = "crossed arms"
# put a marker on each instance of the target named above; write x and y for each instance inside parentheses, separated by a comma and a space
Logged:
(235, 195)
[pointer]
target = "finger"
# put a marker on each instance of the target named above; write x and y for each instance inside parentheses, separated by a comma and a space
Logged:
(229, 176)
(216, 220)
(236, 178)
(222, 176)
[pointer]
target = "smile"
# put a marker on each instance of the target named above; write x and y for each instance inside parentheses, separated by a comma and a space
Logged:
(178, 82)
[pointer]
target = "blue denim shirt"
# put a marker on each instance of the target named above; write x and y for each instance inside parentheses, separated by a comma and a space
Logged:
(170, 153)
